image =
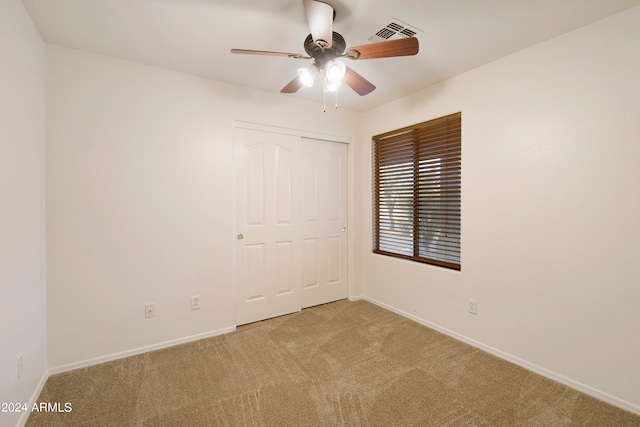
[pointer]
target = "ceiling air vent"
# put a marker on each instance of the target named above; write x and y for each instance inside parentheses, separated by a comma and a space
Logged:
(395, 30)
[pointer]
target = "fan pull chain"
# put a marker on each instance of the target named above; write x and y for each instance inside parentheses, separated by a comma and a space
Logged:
(336, 98)
(324, 101)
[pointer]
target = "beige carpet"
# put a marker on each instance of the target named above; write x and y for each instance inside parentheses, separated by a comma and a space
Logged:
(344, 363)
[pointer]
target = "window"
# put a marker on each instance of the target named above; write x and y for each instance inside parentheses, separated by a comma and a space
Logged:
(416, 180)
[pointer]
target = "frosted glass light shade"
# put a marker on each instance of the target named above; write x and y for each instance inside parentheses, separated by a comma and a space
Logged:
(308, 74)
(335, 71)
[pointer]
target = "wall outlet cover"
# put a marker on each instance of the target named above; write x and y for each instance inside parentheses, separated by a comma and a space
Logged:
(472, 306)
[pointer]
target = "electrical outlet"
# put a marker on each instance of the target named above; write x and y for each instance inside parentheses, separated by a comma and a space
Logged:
(195, 302)
(20, 367)
(150, 310)
(472, 306)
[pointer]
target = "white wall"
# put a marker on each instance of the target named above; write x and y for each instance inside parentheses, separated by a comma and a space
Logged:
(140, 200)
(550, 208)
(22, 215)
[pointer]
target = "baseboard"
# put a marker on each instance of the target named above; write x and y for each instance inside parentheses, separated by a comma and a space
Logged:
(357, 298)
(598, 394)
(34, 397)
(139, 350)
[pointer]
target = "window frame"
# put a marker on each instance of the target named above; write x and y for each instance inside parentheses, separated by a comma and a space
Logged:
(421, 166)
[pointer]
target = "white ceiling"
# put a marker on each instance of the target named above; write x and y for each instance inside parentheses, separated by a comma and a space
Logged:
(195, 36)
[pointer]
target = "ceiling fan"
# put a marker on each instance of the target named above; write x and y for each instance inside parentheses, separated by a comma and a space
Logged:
(325, 46)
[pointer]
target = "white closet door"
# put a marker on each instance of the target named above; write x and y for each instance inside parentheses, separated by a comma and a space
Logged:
(290, 211)
(324, 222)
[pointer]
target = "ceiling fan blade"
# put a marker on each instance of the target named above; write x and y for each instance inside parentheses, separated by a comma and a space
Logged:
(358, 83)
(320, 19)
(292, 86)
(401, 47)
(266, 52)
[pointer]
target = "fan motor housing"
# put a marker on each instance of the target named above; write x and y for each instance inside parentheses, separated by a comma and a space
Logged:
(324, 55)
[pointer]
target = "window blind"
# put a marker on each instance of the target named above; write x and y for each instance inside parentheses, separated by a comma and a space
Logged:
(417, 192)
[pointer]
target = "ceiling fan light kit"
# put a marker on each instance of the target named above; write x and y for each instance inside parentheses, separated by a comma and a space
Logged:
(324, 46)
(333, 73)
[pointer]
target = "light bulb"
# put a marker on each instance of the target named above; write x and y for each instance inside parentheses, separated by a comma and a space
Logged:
(335, 71)
(307, 74)
(330, 86)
